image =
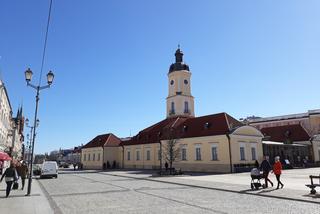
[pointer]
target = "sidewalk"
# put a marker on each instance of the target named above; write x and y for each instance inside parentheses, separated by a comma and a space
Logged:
(294, 181)
(18, 203)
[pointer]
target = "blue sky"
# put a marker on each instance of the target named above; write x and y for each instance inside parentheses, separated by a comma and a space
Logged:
(111, 58)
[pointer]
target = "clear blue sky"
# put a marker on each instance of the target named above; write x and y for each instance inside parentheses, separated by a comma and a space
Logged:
(111, 59)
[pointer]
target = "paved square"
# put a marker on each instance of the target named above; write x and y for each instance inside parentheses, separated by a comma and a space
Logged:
(137, 192)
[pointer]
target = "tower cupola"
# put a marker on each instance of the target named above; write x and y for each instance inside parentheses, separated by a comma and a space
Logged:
(179, 101)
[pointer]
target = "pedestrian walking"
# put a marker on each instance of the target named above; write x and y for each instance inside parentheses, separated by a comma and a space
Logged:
(166, 165)
(256, 164)
(10, 176)
(266, 168)
(22, 170)
(277, 168)
(1, 167)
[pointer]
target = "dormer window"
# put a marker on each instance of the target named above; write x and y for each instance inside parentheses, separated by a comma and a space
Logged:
(207, 125)
(171, 82)
(184, 128)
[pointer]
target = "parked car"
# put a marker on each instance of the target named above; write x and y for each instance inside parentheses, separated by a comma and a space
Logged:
(36, 169)
(64, 165)
(49, 169)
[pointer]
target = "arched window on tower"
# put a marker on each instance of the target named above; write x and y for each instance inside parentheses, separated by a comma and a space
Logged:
(172, 108)
(186, 107)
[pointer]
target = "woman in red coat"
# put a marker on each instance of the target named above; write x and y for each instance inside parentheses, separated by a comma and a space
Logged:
(277, 168)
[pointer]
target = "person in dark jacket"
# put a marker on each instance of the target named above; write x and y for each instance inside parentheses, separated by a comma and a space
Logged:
(266, 168)
(10, 176)
(22, 170)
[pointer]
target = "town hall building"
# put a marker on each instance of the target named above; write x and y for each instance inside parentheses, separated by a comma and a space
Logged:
(213, 143)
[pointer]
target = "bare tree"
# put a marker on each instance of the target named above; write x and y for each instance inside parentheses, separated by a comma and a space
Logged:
(171, 152)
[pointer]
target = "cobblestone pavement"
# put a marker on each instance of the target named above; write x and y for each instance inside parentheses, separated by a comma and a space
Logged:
(130, 192)
(18, 203)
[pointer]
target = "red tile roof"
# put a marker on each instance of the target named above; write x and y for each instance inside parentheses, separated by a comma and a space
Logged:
(186, 127)
(282, 133)
(103, 141)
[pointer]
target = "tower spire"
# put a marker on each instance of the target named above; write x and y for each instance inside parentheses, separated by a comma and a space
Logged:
(179, 55)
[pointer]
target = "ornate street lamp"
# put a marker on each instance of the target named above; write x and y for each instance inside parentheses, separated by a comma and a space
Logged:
(29, 138)
(28, 75)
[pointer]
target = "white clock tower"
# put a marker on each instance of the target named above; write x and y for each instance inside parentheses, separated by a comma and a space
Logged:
(179, 101)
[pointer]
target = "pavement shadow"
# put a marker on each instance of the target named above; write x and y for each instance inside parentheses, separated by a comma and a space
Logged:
(315, 196)
(19, 196)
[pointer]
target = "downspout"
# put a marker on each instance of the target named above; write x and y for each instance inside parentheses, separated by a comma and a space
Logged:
(312, 148)
(159, 135)
(122, 156)
(230, 153)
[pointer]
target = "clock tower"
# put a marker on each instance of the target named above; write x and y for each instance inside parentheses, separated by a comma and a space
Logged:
(180, 102)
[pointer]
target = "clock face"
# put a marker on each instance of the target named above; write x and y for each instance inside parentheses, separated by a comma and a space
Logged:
(171, 82)
(186, 82)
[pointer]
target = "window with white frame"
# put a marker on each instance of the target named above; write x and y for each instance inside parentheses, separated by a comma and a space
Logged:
(214, 151)
(128, 155)
(198, 151)
(88, 157)
(242, 151)
(159, 154)
(254, 153)
(93, 157)
(138, 155)
(98, 157)
(183, 152)
(148, 154)
(85, 157)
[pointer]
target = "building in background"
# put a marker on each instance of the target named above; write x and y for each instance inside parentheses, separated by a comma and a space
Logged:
(302, 130)
(17, 135)
(103, 151)
(11, 129)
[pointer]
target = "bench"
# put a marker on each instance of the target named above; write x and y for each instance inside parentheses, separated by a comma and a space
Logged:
(312, 186)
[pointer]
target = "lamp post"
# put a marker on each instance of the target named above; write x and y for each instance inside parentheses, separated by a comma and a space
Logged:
(28, 75)
(29, 137)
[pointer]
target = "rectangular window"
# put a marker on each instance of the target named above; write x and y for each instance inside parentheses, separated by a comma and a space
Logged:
(159, 154)
(172, 107)
(138, 155)
(88, 157)
(148, 154)
(198, 152)
(253, 153)
(128, 155)
(242, 153)
(186, 107)
(98, 157)
(184, 153)
(214, 152)
(93, 157)
(84, 157)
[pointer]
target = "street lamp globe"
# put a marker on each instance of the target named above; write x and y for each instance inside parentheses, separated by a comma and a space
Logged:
(27, 121)
(50, 77)
(28, 74)
(38, 121)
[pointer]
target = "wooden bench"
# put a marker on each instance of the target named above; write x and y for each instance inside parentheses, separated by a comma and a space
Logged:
(313, 186)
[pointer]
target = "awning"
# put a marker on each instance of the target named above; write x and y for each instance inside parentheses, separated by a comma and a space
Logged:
(4, 156)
